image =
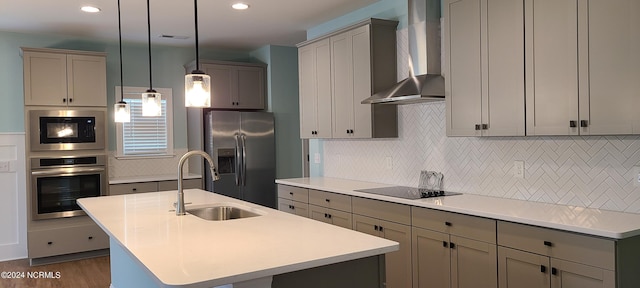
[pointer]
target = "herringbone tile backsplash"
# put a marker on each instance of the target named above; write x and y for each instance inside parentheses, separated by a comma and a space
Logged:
(589, 171)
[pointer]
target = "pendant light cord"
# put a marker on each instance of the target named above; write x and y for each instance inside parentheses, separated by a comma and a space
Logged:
(149, 41)
(120, 44)
(195, 7)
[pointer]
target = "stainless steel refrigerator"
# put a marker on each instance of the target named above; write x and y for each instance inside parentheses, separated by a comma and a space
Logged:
(242, 144)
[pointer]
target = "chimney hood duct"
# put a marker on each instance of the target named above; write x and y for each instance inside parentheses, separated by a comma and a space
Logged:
(425, 84)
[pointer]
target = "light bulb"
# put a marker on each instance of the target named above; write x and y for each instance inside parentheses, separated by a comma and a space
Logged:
(197, 90)
(122, 112)
(151, 104)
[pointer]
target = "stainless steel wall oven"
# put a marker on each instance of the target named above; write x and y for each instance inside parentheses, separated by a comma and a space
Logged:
(56, 130)
(56, 184)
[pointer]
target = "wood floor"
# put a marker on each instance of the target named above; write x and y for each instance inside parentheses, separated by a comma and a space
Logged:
(94, 272)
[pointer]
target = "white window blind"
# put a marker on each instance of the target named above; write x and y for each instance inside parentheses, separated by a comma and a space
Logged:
(145, 136)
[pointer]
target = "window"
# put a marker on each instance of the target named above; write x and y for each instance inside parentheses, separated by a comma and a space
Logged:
(145, 136)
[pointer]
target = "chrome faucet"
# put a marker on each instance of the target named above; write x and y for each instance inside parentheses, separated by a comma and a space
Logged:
(180, 210)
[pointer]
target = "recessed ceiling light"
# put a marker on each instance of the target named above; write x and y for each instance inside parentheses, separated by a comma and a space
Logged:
(240, 6)
(90, 9)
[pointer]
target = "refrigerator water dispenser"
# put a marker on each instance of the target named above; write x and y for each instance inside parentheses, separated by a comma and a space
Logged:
(227, 161)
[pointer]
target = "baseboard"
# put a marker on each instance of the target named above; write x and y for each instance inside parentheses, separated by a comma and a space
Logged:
(68, 257)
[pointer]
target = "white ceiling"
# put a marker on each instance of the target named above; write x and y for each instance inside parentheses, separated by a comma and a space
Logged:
(277, 22)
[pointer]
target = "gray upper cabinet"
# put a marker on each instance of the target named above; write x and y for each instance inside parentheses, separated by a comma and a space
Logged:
(54, 77)
(582, 67)
(484, 67)
(338, 71)
(235, 85)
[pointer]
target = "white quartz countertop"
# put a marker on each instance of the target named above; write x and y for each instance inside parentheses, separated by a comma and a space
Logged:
(183, 251)
(151, 178)
(604, 223)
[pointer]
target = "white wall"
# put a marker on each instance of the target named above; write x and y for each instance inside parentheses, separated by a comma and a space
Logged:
(13, 212)
(592, 171)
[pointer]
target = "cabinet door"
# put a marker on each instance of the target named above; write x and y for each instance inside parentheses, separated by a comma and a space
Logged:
(342, 80)
(86, 80)
(503, 94)
(366, 225)
(331, 216)
(473, 263)
(45, 78)
(519, 269)
(551, 66)
(573, 275)
(463, 83)
(431, 259)
(362, 86)
(609, 66)
(221, 86)
(250, 88)
(398, 263)
(315, 90)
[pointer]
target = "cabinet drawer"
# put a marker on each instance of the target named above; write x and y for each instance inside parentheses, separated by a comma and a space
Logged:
(393, 212)
(330, 200)
(293, 207)
(467, 226)
(293, 193)
(331, 216)
(128, 188)
(569, 246)
(51, 242)
(186, 184)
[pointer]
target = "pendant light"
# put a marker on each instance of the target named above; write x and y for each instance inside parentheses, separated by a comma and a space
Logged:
(121, 109)
(151, 100)
(197, 85)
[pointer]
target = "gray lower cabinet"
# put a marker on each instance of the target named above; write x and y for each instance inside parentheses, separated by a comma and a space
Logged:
(390, 221)
(153, 186)
(72, 239)
(294, 200)
(539, 257)
(331, 216)
(453, 250)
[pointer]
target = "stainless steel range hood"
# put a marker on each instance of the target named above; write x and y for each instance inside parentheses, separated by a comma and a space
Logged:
(425, 84)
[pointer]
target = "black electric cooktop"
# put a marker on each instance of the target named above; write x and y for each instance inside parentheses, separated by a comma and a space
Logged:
(408, 192)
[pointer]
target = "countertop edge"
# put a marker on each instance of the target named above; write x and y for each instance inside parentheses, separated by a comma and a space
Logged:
(486, 214)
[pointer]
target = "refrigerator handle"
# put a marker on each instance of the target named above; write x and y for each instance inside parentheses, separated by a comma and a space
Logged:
(244, 159)
(237, 138)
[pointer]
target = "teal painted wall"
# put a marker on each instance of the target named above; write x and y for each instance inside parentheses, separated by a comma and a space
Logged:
(384, 9)
(168, 72)
(282, 75)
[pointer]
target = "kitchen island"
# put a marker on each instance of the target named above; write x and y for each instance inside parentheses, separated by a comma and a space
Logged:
(152, 247)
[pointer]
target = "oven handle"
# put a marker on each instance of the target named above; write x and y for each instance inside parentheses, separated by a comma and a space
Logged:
(59, 171)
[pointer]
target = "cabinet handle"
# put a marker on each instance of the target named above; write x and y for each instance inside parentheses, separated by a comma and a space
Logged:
(291, 193)
(380, 228)
(543, 269)
(64, 100)
(375, 227)
(572, 124)
(554, 271)
(70, 100)
(327, 200)
(447, 223)
(329, 216)
(485, 126)
(584, 123)
(547, 243)
(134, 189)
(90, 237)
(292, 207)
(478, 127)
(49, 243)
(444, 244)
(452, 245)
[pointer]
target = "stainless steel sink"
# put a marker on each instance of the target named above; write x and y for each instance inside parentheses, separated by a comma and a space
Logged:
(221, 213)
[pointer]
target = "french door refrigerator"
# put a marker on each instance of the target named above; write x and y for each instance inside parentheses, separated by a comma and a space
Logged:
(242, 144)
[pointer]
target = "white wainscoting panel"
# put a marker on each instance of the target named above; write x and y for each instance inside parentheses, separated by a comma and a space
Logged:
(13, 197)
